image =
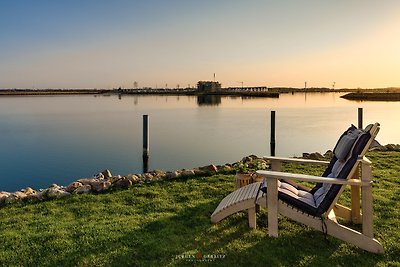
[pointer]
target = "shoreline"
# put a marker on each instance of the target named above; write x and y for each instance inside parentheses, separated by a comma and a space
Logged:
(27, 92)
(384, 94)
(105, 180)
(242, 92)
(45, 92)
(183, 92)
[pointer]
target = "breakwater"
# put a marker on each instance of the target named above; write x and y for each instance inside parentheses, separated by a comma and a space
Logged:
(373, 96)
(105, 181)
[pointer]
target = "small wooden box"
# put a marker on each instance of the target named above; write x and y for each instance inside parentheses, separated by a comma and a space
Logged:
(243, 179)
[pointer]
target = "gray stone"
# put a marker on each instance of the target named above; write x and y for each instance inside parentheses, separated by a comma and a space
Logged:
(40, 195)
(247, 159)
(375, 145)
(3, 196)
(378, 148)
(172, 175)
(73, 186)
(158, 174)
(209, 168)
(83, 189)
(123, 182)
(107, 174)
(20, 195)
(11, 199)
(34, 196)
(148, 177)
(99, 176)
(228, 167)
(316, 156)
(56, 192)
(133, 178)
(140, 177)
(88, 181)
(188, 173)
(100, 186)
(390, 147)
(220, 168)
(328, 154)
(197, 171)
(64, 193)
(29, 191)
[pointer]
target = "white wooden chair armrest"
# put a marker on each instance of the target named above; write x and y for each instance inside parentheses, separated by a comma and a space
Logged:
(310, 178)
(296, 160)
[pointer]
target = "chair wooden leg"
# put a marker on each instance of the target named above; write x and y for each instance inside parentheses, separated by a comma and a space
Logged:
(251, 214)
(355, 200)
(272, 203)
(355, 205)
(367, 218)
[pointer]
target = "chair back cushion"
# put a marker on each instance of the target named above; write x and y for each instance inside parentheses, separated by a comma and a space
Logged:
(349, 146)
(346, 142)
(324, 194)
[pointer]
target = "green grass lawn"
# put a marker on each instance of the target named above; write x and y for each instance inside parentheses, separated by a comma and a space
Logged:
(168, 223)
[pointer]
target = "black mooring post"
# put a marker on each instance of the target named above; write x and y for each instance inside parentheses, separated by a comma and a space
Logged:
(146, 150)
(360, 118)
(145, 164)
(272, 143)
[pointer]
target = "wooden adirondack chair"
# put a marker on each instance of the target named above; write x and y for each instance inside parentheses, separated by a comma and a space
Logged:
(318, 207)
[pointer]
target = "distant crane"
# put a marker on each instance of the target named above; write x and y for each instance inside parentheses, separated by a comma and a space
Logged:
(241, 83)
(333, 85)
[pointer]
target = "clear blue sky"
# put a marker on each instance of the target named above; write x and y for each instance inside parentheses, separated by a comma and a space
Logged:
(106, 44)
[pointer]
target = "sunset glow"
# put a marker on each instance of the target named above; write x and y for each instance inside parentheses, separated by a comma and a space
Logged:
(103, 44)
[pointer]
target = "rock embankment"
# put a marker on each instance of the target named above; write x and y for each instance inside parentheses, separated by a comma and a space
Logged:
(375, 146)
(104, 181)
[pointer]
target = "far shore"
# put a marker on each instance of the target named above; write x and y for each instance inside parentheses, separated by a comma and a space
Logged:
(377, 94)
(24, 92)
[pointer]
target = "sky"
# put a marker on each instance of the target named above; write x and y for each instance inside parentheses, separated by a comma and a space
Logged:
(166, 43)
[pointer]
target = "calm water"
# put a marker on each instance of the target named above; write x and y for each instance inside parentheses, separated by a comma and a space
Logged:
(59, 139)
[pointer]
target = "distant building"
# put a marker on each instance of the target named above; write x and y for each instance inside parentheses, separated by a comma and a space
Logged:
(208, 87)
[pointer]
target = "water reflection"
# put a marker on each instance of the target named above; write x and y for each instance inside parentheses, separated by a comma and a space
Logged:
(58, 139)
(208, 100)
